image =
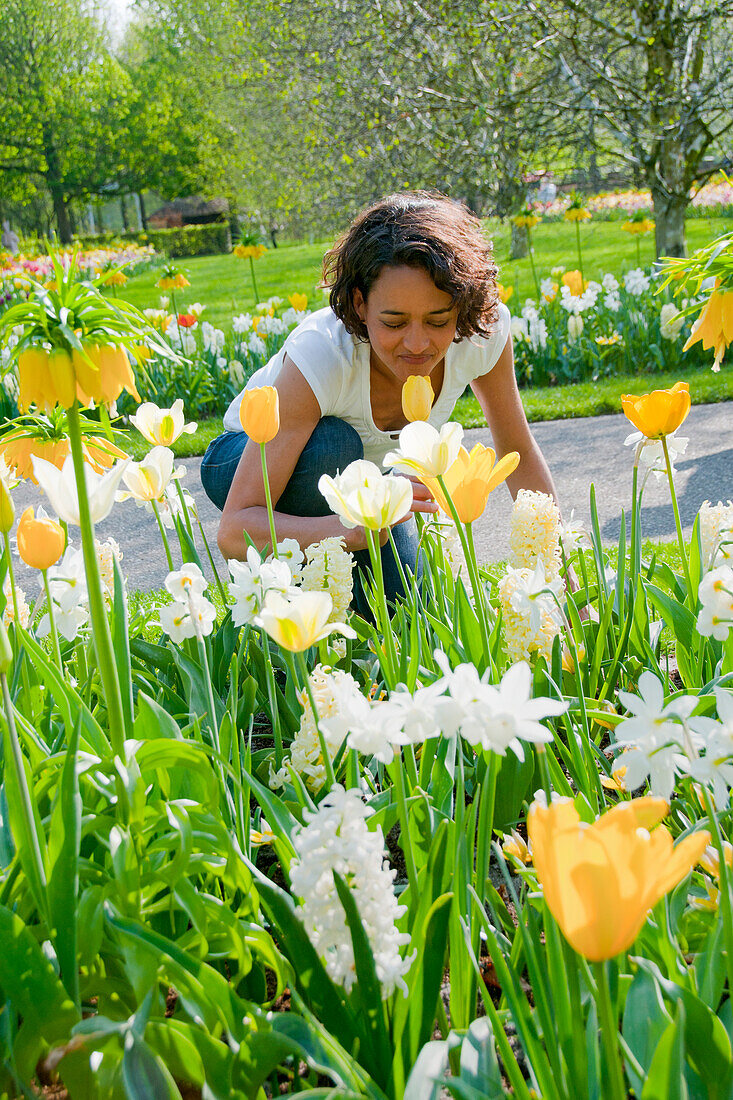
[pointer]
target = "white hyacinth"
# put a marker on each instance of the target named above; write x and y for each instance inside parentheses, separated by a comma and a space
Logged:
(530, 613)
(636, 282)
(336, 839)
(330, 567)
(534, 533)
(575, 327)
(671, 321)
(305, 750)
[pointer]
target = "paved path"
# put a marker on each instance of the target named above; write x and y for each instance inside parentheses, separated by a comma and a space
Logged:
(579, 453)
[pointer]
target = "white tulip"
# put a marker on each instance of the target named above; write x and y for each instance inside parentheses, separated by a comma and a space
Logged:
(148, 480)
(60, 488)
(362, 496)
(162, 426)
(424, 450)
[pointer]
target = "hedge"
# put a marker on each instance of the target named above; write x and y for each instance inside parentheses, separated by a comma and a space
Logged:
(186, 240)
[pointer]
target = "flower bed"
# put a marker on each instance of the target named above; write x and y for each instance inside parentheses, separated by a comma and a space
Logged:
(254, 844)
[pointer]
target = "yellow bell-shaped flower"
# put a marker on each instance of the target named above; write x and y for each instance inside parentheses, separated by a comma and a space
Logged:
(714, 325)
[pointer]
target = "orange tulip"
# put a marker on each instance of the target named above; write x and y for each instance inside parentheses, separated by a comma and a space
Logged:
(40, 541)
(470, 480)
(715, 325)
(417, 397)
(660, 412)
(259, 413)
(600, 880)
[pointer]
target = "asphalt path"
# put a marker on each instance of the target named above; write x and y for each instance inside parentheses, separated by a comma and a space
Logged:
(580, 453)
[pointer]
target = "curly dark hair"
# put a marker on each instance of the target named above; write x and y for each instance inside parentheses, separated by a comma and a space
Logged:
(418, 229)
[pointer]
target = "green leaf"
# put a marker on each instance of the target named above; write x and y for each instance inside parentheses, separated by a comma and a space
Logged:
(144, 1076)
(367, 991)
(64, 839)
(645, 1019)
(428, 1074)
(121, 644)
(666, 1077)
(479, 1064)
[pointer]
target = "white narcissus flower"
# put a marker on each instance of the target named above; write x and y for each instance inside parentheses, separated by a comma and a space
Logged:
(298, 621)
(424, 450)
(649, 455)
(148, 480)
(60, 488)
(162, 427)
(362, 496)
(653, 736)
(289, 551)
(716, 603)
(195, 618)
(252, 580)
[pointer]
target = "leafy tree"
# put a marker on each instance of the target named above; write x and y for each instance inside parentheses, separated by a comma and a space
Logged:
(657, 77)
(62, 100)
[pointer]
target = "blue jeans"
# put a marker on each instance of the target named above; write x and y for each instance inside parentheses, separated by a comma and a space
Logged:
(330, 449)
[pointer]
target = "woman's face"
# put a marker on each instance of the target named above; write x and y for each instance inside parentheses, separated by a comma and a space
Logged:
(411, 324)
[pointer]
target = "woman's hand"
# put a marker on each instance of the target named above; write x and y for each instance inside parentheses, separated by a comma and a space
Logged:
(422, 498)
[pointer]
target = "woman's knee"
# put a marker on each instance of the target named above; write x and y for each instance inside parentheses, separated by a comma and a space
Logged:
(332, 446)
(219, 465)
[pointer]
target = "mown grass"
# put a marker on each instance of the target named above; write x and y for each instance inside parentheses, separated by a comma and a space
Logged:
(224, 285)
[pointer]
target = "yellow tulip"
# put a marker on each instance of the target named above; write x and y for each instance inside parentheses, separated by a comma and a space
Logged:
(599, 881)
(660, 412)
(504, 292)
(417, 397)
(714, 325)
(40, 541)
(573, 280)
(470, 480)
(299, 302)
(259, 413)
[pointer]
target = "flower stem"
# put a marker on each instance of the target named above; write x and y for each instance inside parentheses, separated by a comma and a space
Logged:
(97, 611)
(16, 614)
(254, 281)
(609, 1034)
(268, 500)
(580, 256)
(52, 622)
(161, 528)
(530, 252)
(212, 563)
(390, 652)
(724, 883)
(677, 521)
(466, 536)
(306, 684)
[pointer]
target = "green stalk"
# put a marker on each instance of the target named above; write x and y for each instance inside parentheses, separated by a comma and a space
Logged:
(268, 500)
(396, 773)
(184, 508)
(390, 652)
(164, 536)
(466, 536)
(272, 699)
(306, 684)
(530, 252)
(609, 1034)
(214, 570)
(580, 254)
(52, 622)
(724, 882)
(213, 726)
(97, 610)
(677, 521)
(16, 614)
(638, 250)
(254, 281)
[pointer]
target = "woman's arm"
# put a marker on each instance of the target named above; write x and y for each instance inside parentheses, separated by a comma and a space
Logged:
(245, 508)
(498, 395)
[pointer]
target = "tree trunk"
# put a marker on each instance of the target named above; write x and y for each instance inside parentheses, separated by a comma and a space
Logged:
(519, 247)
(669, 217)
(123, 212)
(143, 211)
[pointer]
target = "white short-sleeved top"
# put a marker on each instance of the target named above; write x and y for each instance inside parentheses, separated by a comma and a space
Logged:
(336, 367)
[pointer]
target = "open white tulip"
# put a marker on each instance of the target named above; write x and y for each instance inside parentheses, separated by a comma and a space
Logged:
(300, 619)
(60, 488)
(362, 496)
(424, 450)
(162, 426)
(148, 480)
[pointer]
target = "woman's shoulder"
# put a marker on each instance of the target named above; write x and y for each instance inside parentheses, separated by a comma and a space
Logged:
(323, 331)
(476, 355)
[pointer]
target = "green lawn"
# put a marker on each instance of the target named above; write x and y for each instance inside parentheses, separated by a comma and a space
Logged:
(224, 285)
